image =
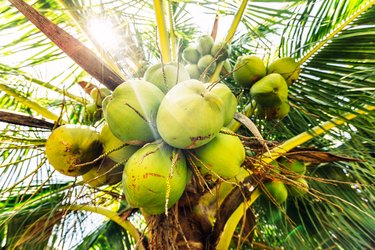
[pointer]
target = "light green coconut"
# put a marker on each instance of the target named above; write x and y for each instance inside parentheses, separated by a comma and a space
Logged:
(131, 111)
(155, 177)
(189, 115)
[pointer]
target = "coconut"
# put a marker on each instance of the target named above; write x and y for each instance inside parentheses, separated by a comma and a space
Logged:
(270, 91)
(223, 156)
(293, 165)
(71, 145)
(98, 95)
(277, 190)
(272, 113)
(165, 76)
(300, 188)
(228, 98)
(191, 55)
(205, 43)
(131, 111)
(207, 63)
(287, 67)
(118, 152)
(248, 69)
(106, 172)
(155, 177)
(189, 115)
(221, 50)
(193, 70)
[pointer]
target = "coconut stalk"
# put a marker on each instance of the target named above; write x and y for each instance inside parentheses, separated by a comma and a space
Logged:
(162, 31)
(229, 37)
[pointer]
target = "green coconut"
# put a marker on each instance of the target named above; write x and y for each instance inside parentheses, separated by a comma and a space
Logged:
(191, 55)
(118, 152)
(92, 112)
(165, 76)
(207, 63)
(193, 70)
(221, 51)
(205, 43)
(189, 115)
(223, 156)
(228, 98)
(98, 95)
(300, 188)
(272, 113)
(287, 67)
(248, 70)
(105, 172)
(277, 190)
(270, 91)
(131, 111)
(71, 145)
(293, 165)
(153, 171)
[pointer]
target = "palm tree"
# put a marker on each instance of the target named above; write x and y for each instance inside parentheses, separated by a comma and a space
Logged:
(47, 75)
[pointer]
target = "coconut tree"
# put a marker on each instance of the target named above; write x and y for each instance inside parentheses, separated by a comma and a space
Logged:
(307, 173)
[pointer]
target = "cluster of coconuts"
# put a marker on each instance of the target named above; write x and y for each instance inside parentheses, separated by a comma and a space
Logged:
(268, 85)
(201, 59)
(156, 129)
(298, 185)
(93, 110)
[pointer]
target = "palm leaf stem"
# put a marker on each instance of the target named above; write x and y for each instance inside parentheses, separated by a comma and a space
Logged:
(24, 120)
(162, 31)
(31, 104)
(298, 140)
(229, 37)
(126, 225)
(77, 51)
(336, 31)
(231, 225)
(74, 17)
(172, 32)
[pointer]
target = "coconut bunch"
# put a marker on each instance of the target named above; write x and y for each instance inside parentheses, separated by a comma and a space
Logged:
(93, 110)
(201, 59)
(157, 131)
(277, 190)
(268, 85)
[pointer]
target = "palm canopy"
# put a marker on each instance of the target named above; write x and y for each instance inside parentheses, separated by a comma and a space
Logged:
(333, 41)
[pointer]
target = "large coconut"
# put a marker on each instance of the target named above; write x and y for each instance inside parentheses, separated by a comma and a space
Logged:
(131, 111)
(154, 175)
(270, 91)
(71, 145)
(223, 156)
(165, 76)
(190, 115)
(228, 98)
(248, 69)
(118, 150)
(105, 172)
